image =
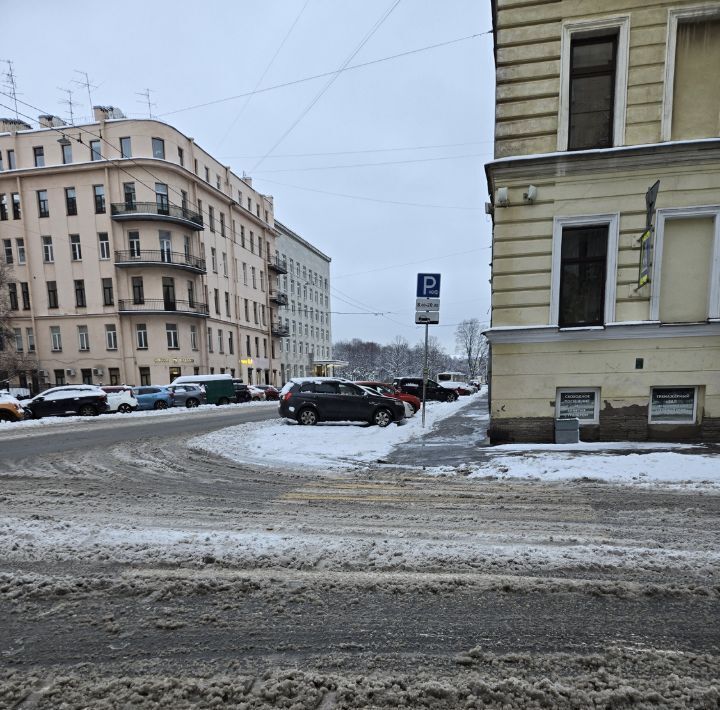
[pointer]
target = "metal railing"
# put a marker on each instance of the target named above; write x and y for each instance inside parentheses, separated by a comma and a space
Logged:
(279, 297)
(159, 305)
(279, 330)
(120, 209)
(160, 256)
(278, 265)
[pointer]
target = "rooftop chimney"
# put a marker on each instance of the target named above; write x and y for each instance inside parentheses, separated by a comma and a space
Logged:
(12, 125)
(47, 120)
(103, 113)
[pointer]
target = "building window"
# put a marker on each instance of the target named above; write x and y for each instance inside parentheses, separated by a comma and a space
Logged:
(7, 248)
(213, 259)
(242, 236)
(249, 204)
(181, 156)
(134, 244)
(252, 242)
(16, 205)
(138, 290)
(161, 198)
(225, 264)
(48, 253)
(247, 310)
(125, 148)
(231, 347)
(114, 373)
(99, 194)
(253, 276)
(104, 245)
(207, 174)
(210, 340)
(95, 153)
(30, 339)
(217, 301)
(158, 148)
(211, 218)
(59, 376)
(55, 338)
(193, 337)
(227, 304)
(692, 98)
(108, 296)
(43, 205)
(141, 336)
(3, 207)
(52, 294)
(129, 193)
(222, 224)
(66, 152)
(13, 296)
(578, 403)
(110, 337)
(171, 333)
(25, 293)
(80, 293)
(244, 273)
(673, 405)
(75, 248)
(191, 294)
(165, 246)
(255, 312)
(83, 338)
(39, 156)
(217, 181)
(144, 376)
(221, 346)
(11, 160)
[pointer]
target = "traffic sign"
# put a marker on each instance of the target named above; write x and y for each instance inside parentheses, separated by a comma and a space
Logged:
(427, 304)
(427, 317)
(428, 286)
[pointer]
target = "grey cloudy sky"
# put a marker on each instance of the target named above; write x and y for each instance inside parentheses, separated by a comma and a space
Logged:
(428, 116)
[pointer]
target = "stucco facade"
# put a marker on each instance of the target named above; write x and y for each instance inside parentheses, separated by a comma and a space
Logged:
(136, 255)
(595, 103)
(307, 313)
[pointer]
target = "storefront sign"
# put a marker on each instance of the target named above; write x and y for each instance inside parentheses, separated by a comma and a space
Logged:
(246, 361)
(672, 404)
(175, 360)
(580, 405)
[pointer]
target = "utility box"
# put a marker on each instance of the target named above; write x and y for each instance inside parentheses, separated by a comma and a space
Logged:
(567, 431)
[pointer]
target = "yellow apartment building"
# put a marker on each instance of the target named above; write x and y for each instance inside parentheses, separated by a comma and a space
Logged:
(605, 196)
(135, 256)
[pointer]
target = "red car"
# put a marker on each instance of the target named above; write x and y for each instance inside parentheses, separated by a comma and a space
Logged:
(390, 391)
(270, 391)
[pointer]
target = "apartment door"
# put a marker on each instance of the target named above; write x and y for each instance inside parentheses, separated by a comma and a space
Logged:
(174, 372)
(165, 247)
(168, 285)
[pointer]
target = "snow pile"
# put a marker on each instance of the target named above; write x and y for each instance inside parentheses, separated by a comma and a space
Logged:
(330, 445)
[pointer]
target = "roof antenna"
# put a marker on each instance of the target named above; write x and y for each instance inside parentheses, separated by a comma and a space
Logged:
(88, 86)
(146, 95)
(69, 103)
(11, 83)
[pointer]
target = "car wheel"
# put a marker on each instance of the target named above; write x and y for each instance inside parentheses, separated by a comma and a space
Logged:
(7, 417)
(223, 401)
(124, 408)
(160, 404)
(87, 410)
(192, 402)
(307, 417)
(382, 417)
(451, 397)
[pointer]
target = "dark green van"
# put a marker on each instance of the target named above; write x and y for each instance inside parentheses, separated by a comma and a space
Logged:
(219, 389)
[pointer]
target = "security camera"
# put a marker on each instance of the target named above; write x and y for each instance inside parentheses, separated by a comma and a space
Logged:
(531, 194)
(501, 197)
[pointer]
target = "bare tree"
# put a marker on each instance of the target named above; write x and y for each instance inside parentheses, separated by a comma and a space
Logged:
(472, 344)
(12, 361)
(396, 357)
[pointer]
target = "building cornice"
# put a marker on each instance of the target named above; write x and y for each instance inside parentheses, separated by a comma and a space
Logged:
(280, 228)
(612, 331)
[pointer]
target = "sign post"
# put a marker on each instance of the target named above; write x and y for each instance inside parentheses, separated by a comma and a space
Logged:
(427, 311)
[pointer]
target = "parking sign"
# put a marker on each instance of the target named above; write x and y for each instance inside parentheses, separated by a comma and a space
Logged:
(428, 286)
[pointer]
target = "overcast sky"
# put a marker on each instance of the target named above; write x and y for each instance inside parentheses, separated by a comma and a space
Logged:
(429, 113)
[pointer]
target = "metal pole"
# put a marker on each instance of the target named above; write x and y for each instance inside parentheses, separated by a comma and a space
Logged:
(425, 374)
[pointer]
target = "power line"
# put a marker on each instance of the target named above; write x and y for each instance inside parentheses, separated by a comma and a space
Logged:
(378, 23)
(267, 68)
(324, 74)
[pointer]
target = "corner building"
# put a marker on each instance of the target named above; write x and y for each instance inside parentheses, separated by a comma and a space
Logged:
(604, 308)
(135, 255)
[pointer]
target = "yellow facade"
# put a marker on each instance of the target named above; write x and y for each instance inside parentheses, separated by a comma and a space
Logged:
(546, 192)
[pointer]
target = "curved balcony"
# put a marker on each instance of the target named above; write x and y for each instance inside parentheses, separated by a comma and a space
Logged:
(163, 307)
(277, 265)
(163, 212)
(161, 257)
(279, 330)
(279, 297)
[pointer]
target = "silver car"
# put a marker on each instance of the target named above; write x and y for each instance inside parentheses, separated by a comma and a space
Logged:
(188, 395)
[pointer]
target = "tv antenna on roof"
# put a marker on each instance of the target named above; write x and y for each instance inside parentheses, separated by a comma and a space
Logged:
(146, 95)
(11, 83)
(88, 86)
(69, 103)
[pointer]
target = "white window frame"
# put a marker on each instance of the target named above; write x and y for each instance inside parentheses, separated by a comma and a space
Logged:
(83, 339)
(596, 390)
(674, 421)
(587, 28)
(104, 246)
(675, 16)
(662, 216)
(111, 337)
(55, 338)
(612, 221)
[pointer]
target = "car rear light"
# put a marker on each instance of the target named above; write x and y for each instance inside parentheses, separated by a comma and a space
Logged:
(287, 396)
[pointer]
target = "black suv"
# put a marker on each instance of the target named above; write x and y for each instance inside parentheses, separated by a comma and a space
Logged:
(309, 401)
(433, 391)
(83, 400)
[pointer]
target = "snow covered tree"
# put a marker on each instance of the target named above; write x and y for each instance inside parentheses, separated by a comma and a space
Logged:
(12, 362)
(473, 346)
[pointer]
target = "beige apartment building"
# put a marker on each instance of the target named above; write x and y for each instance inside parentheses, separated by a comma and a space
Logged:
(605, 306)
(135, 256)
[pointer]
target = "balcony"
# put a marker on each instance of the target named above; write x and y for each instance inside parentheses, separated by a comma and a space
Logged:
(279, 297)
(277, 265)
(163, 307)
(161, 257)
(163, 212)
(279, 330)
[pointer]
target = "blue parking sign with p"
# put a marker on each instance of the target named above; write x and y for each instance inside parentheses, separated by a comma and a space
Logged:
(428, 286)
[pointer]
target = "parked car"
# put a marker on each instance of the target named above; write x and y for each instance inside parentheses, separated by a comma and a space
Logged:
(433, 391)
(10, 409)
(120, 398)
(218, 388)
(188, 395)
(392, 391)
(462, 388)
(310, 400)
(154, 397)
(242, 393)
(257, 394)
(69, 400)
(271, 393)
